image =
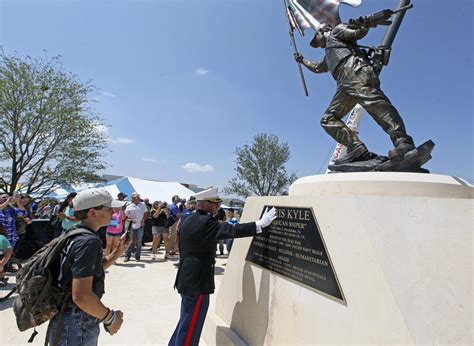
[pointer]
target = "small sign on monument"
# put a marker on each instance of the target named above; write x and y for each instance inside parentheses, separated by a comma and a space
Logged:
(293, 246)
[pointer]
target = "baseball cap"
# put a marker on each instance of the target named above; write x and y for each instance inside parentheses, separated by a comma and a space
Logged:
(121, 194)
(95, 197)
(135, 194)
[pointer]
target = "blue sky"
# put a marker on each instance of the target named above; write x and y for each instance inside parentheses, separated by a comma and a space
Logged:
(183, 83)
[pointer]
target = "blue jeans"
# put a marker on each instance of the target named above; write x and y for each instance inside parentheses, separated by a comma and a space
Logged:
(78, 328)
(137, 234)
(228, 244)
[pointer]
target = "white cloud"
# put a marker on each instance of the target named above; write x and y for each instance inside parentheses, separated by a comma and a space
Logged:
(193, 167)
(103, 94)
(148, 159)
(102, 129)
(201, 71)
(122, 141)
(108, 94)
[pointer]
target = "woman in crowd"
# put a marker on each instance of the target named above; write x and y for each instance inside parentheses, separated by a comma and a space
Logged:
(23, 214)
(66, 213)
(8, 217)
(114, 230)
(159, 214)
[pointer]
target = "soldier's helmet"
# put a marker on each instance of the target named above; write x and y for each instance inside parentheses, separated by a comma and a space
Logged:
(319, 39)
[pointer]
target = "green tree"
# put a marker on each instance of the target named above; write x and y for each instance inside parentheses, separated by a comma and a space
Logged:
(260, 168)
(49, 133)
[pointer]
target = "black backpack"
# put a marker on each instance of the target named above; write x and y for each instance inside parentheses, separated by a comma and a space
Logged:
(39, 297)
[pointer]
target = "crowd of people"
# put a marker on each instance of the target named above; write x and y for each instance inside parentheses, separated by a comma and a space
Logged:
(202, 225)
(165, 220)
(18, 211)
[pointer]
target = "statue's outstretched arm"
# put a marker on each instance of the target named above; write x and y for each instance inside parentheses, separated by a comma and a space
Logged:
(313, 66)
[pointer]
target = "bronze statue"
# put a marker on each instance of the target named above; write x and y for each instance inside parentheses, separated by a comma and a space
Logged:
(356, 69)
(357, 82)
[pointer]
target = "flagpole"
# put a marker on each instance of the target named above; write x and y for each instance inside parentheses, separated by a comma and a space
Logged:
(293, 42)
(392, 30)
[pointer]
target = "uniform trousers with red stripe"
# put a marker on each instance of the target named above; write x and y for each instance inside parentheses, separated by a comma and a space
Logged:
(189, 328)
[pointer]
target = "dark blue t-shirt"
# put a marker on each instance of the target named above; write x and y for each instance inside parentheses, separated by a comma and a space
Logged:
(81, 258)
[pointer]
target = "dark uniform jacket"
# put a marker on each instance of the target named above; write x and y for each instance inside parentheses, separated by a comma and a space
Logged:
(198, 239)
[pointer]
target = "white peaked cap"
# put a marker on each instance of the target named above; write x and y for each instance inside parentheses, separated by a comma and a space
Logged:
(208, 195)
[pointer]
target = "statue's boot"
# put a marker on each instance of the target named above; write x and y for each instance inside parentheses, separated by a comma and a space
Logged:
(356, 152)
(401, 148)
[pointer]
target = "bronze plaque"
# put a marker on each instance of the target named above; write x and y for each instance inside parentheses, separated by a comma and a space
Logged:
(293, 246)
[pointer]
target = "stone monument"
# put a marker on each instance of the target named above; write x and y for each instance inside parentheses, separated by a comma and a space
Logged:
(353, 258)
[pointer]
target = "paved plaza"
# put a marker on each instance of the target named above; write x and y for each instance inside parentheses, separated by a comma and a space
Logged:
(142, 290)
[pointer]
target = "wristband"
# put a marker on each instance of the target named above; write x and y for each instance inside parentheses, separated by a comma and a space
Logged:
(110, 320)
(107, 314)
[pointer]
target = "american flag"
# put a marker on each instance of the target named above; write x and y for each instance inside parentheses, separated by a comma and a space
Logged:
(316, 12)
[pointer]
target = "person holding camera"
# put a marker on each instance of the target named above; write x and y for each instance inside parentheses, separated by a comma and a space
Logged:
(159, 215)
(8, 216)
(24, 215)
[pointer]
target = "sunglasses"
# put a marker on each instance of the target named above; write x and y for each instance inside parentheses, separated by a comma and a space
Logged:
(100, 207)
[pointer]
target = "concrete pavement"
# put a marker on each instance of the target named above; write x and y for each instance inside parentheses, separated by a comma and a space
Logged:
(142, 290)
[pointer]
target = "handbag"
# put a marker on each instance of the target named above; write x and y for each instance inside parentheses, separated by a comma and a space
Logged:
(20, 225)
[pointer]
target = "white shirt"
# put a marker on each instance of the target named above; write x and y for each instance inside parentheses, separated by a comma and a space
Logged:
(136, 213)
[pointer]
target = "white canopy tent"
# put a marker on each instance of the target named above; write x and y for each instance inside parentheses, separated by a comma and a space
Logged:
(112, 189)
(153, 190)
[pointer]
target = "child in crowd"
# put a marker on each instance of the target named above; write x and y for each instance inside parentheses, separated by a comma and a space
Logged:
(114, 230)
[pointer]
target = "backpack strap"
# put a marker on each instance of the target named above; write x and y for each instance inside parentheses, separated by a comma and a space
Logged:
(64, 239)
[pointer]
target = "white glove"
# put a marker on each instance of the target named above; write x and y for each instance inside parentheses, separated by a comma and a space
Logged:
(266, 219)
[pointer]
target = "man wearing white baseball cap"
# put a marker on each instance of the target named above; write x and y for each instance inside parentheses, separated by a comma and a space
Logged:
(199, 234)
(82, 272)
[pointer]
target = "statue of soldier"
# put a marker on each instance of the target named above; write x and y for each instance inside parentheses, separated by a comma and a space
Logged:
(357, 82)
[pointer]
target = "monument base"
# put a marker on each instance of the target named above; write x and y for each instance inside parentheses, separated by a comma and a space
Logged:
(400, 246)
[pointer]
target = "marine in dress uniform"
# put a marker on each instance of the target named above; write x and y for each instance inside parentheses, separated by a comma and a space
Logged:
(199, 235)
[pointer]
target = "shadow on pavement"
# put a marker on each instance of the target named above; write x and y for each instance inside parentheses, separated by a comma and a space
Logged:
(131, 264)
